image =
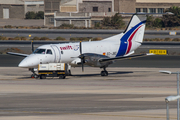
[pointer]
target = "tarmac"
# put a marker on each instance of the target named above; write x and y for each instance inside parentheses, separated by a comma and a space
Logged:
(126, 94)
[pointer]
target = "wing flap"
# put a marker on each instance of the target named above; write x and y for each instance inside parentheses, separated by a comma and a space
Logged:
(124, 57)
(17, 54)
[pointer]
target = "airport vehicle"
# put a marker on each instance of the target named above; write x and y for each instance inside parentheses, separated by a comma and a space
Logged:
(93, 53)
(52, 70)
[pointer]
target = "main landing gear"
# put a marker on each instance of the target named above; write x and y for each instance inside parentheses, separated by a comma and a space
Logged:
(104, 73)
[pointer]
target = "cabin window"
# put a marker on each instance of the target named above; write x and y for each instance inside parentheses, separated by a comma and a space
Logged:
(39, 51)
(48, 51)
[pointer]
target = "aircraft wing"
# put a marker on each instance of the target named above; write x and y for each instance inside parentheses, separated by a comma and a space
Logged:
(124, 57)
(17, 54)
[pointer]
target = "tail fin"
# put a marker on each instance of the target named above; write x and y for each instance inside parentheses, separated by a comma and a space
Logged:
(133, 35)
(135, 29)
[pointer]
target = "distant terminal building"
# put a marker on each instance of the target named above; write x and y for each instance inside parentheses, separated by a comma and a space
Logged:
(18, 8)
(155, 6)
(81, 13)
(86, 13)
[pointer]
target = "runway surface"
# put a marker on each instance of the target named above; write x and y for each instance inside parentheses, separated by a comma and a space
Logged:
(127, 93)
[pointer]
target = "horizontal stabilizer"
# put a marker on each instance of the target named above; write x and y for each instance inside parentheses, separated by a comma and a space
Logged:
(17, 54)
(124, 57)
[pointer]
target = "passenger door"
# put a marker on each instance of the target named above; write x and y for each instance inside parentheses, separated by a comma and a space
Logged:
(57, 53)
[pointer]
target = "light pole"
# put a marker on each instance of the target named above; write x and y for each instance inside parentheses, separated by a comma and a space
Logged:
(177, 97)
(167, 100)
(167, 110)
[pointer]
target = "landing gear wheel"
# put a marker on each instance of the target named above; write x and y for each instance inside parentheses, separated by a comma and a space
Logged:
(104, 73)
(42, 76)
(62, 76)
(34, 76)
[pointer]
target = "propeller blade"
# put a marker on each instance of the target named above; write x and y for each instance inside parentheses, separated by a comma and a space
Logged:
(32, 46)
(81, 55)
(82, 65)
(80, 48)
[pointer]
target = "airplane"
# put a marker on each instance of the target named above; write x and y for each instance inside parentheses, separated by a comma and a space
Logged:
(92, 53)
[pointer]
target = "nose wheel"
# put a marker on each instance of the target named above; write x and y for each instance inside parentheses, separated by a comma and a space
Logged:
(34, 75)
(104, 73)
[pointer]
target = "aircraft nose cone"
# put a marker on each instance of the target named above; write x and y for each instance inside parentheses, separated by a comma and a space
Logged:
(23, 64)
(29, 62)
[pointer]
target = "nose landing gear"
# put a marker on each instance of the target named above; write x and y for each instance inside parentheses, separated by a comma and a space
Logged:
(34, 75)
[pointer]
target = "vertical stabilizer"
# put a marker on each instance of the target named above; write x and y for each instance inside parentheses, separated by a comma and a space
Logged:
(133, 35)
(135, 29)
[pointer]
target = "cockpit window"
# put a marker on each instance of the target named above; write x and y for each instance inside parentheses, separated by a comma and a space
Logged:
(48, 51)
(39, 51)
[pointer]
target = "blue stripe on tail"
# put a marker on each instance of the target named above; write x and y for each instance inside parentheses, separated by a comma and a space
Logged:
(124, 40)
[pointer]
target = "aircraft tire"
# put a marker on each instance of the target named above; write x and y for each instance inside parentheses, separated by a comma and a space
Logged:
(34, 76)
(104, 73)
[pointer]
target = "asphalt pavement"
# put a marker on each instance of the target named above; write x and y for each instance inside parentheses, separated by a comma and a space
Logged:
(126, 94)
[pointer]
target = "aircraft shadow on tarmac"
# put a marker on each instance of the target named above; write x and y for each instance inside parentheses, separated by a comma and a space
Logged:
(109, 72)
(82, 75)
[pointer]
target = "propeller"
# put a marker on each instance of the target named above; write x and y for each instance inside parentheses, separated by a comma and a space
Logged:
(81, 56)
(32, 46)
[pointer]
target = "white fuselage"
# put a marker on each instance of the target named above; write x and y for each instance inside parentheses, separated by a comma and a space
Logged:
(69, 52)
(122, 44)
